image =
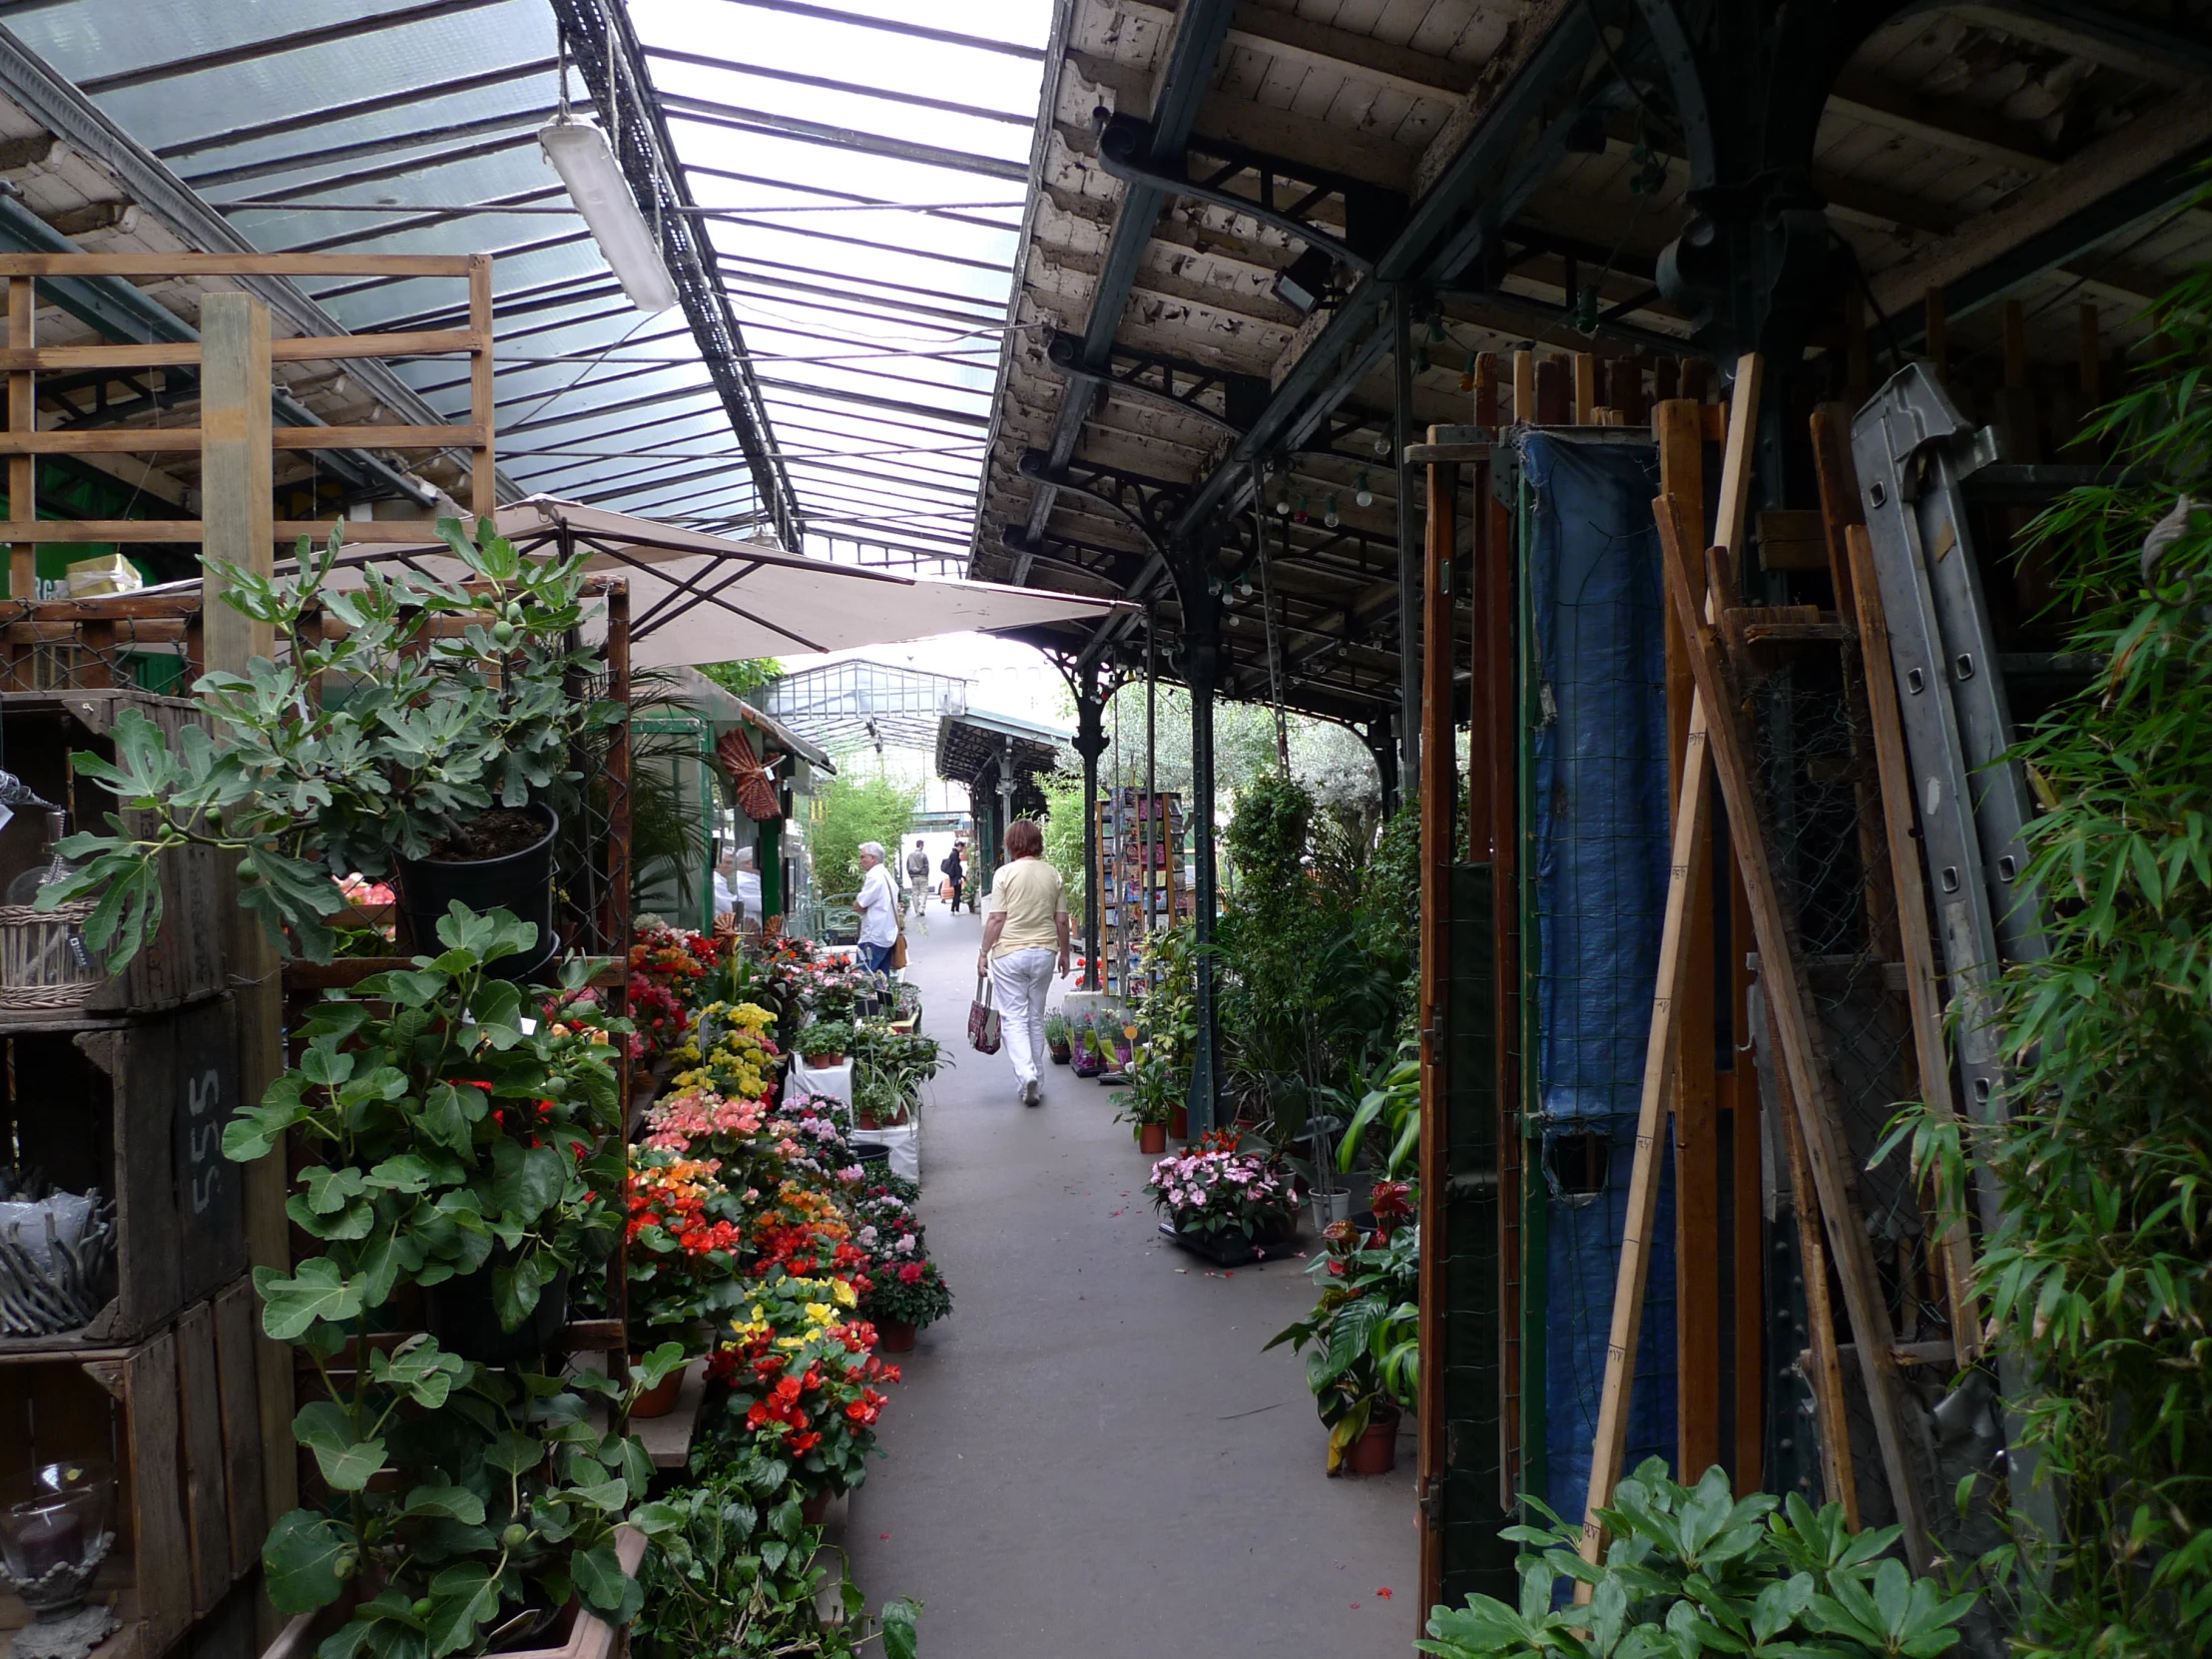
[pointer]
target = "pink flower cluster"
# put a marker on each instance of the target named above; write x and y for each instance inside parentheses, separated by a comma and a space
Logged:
(1217, 1188)
(697, 1114)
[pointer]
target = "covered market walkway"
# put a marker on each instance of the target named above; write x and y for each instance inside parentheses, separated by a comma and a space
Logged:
(1092, 1455)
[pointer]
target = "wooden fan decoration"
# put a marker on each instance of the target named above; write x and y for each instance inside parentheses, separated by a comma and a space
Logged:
(755, 778)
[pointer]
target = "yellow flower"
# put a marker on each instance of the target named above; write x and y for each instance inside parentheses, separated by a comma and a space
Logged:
(819, 1312)
(844, 1294)
(790, 1342)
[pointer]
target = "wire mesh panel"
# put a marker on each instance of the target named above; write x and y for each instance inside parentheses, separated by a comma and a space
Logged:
(1595, 712)
(1822, 811)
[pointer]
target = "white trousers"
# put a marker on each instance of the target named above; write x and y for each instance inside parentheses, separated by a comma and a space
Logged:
(1019, 981)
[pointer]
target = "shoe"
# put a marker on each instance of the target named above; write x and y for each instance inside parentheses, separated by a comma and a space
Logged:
(1032, 1093)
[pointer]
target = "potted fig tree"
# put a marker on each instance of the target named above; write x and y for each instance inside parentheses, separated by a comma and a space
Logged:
(417, 731)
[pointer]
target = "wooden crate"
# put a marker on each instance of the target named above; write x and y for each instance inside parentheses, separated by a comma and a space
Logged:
(177, 1415)
(135, 1109)
(183, 963)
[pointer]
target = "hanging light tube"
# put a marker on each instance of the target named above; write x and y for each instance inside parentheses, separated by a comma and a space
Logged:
(586, 163)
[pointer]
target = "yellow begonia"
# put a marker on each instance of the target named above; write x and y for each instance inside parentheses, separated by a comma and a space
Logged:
(819, 1312)
(844, 1294)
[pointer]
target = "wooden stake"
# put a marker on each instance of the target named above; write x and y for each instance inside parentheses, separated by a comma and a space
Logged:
(1486, 390)
(1794, 1029)
(1692, 828)
(1555, 394)
(237, 508)
(1586, 389)
(1916, 938)
(1524, 389)
(483, 483)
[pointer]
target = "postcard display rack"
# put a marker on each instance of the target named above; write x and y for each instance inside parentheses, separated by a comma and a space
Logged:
(1144, 880)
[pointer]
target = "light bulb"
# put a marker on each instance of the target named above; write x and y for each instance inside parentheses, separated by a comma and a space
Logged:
(1382, 443)
(1281, 506)
(1361, 494)
(1329, 517)
(1245, 588)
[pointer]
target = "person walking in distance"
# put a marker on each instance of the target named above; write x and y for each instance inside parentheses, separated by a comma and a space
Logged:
(954, 870)
(1025, 935)
(878, 902)
(918, 878)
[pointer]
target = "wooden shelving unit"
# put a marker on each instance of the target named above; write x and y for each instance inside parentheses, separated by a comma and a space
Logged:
(1144, 880)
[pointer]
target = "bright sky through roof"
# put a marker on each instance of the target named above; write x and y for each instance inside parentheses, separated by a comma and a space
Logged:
(889, 447)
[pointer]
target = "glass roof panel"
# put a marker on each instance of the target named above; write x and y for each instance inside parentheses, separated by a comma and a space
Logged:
(861, 190)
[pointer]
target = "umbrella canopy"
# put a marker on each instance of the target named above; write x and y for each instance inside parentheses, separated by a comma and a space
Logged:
(697, 598)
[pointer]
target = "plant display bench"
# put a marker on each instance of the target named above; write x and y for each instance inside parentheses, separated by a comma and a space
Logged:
(178, 1413)
(1231, 1250)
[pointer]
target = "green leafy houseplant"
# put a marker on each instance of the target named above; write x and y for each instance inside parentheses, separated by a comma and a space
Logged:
(438, 706)
(1152, 1093)
(733, 1576)
(446, 1140)
(1364, 1332)
(1697, 1571)
(825, 1038)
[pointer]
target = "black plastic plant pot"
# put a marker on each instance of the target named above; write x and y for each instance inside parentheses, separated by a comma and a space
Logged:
(521, 882)
(462, 1316)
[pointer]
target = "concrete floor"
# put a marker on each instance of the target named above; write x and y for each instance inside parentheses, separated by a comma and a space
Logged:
(1091, 1455)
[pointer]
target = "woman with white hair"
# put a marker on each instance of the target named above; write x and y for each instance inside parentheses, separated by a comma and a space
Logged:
(878, 902)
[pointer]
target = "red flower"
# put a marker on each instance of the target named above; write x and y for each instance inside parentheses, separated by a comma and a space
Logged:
(910, 1273)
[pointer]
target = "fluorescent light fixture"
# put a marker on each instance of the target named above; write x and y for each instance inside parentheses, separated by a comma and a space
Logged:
(580, 155)
(1302, 284)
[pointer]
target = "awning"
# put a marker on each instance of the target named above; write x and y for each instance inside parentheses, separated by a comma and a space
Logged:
(696, 598)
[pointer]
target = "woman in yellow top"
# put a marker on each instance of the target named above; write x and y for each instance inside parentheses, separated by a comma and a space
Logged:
(1025, 935)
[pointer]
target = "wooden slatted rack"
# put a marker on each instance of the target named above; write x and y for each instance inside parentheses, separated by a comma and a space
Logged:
(24, 360)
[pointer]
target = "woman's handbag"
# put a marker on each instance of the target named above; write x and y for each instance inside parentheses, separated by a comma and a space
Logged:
(982, 1018)
(899, 951)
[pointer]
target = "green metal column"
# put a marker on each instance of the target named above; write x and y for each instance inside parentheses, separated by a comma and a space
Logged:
(769, 858)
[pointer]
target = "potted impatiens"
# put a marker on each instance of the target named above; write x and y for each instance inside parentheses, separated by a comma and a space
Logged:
(906, 1290)
(460, 1150)
(1056, 1037)
(685, 1232)
(1364, 1369)
(1224, 1202)
(440, 752)
(798, 1376)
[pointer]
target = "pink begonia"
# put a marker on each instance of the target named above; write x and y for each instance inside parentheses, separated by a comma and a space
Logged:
(696, 1114)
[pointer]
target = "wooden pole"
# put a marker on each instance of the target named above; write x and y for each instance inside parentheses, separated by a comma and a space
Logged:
(1586, 387)
(1680, 430)
(1438, 809)
(1794, 1029)
(1524, 389)
(483, 481)
(1923, 995)
(22, 417)
(1692, 828)
(237, 510)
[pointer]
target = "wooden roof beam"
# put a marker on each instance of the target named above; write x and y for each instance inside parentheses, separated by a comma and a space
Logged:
(1289, 38)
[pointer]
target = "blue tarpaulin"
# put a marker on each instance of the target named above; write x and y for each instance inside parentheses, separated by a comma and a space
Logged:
(1601, 823)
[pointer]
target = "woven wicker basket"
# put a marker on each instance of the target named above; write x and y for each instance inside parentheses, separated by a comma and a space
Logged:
(38, 969)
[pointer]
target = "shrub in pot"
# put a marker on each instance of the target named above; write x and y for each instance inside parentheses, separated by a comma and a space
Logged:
(1149, 1098)
(443, 737)
(1364, 1332)
(451, 1141)
(890, 1068)
(1056, 1037)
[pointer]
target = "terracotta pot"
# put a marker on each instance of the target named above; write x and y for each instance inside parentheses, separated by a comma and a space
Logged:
(1152, 1138)
(896, 1335)
(1178, 1122)
(1376, 1450)
(821, 1062)
(814, 1508)
(660, 1400)
(865, 1120)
